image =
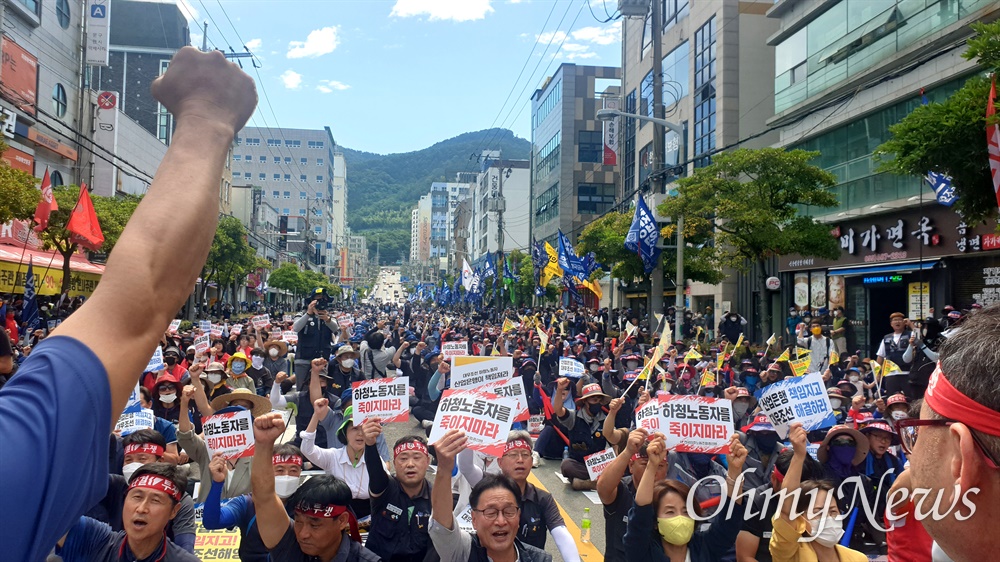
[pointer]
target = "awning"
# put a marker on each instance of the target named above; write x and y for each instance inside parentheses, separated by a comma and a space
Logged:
(905, 267)
(47, 267)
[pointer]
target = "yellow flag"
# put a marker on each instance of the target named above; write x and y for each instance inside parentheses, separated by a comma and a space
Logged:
(495, 352)
(784, 356)
(876, 368)
(772, 340)
(708, 378)
(800, 351)
(552, 268)
(647, 369)
(595, 287)
(739, 342)
(888, 367)
(630, 329)
(799, 366)
(543, 337)
(692, 354)
(834, 358)
(508, 326)
(721, 360)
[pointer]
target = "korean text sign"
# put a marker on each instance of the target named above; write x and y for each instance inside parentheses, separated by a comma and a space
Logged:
(229, 433)
(598, 462)
(797, 399)
(454, 349)
(691, 424)
(569, 367)
(472, 372)
(484, 417)
(386, 399)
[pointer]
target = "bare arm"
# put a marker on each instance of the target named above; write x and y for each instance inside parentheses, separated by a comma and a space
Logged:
(607, 482)
(161, 252)
(452, 443)
(272, 520)
(793, 477)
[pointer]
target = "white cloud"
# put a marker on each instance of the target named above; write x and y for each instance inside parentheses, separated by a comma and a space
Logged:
(554, 37)
(329, 86)
(291, 79)
(457, 10)
(586, 55)
(599, 35)
(319, 42)
(575, 48)
(254, 44)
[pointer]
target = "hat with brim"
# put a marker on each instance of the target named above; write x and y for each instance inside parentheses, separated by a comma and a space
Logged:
(282, 346)
(261, 405)
(214, 367)
(860, 443)
(880, 425)
(346, 350)
(760, 423)
(239, 355)
(898, 398)
(348, 420)
(593, 389)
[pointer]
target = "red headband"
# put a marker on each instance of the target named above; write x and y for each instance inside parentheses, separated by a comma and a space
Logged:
(159, 483)
(638, 455)
(140, 448)
(286, 459)
(330, 512)
(409, 446)
(516, 444)
(949, 402)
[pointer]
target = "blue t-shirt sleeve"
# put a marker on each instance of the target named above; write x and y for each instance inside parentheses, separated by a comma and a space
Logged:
(166, 429)
(84, 539)
(55, 417)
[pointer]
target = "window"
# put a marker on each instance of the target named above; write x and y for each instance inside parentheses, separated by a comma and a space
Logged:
(318, 230)
(318, 212)
(62, 13)
(277, 160)
(319, 161)
(277, 177)
(302, 195)
(302, 178)
(239, 141)
(288, 177)
(285, 211)
(704, 82)
(319, 179)
(595, 198)
(628, 161)
(293, 143)
(645, 164)
(646, 98)
(591, 146)
(647, 36)
(237, 157)
(33, 6)
(550, 102)
(548, 156)
(275, 194)
(252, 142)
(56, 178)
(273, 142)
(288, 159)
(676, 82)
(59, 100)
(547, 205)
(286, 194)
(263, 177)
(673, 11)
(302, 212)
(303, 161)
(315, 144)
(704, 54)
(247, 158)
(164, 120)
(247, 175)
(263, 159)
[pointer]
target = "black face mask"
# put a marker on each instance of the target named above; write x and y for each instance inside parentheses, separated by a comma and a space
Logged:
(170, 360)
(767, 441)
(594, 409)
(190, 357)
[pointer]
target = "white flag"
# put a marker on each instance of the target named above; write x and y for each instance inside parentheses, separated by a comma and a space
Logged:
(466, 274)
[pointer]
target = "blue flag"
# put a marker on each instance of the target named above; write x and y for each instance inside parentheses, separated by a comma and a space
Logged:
(29, 314)
(488, 269)
(570, 263)
(539, 291)
(507, 273)
(643, 235)
(570, 284)
(944, 192)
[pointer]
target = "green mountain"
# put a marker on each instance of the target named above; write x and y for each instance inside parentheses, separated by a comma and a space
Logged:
(382, 189)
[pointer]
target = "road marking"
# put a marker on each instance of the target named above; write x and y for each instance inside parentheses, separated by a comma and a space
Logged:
(588, 552)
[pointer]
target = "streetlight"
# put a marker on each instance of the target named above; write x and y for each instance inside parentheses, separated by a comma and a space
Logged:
(656, 280)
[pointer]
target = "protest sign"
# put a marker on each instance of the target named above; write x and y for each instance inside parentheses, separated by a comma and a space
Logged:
(464, 520)
(599, 461)
(133, 404)
(472, 372)
(156, 362)
(696, 424)
(204, 325)
(229, 433)
(236, 329)
(452, 349)
(386, 399)
(536, 424)
(514, 389)
(261, 321)
(647, 416)
(174, 326)
(217, 545)
(287, 318)
(799, 366)
(797, 399)
(201, 343)
(485, 418)
(569, 367)
(215, 330)
(130, 422)
(290, 336)
(345, 321)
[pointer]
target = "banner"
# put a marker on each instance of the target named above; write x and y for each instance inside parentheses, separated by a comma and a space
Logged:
(229, 433)
(454, 349)
(260, 322)
(218, 545)
(611, 134)
(345, 321)
(130, 422)
(386, 399)
(215, 330)
(205, 325)
(569, 367)
(174, 326)
(156, 362)
(647, 416)
(514, 389)
(236, 329)
(484, 417)
(473, 372)
(598, 462)
(797, 399)
(290, 336)
(98, 32)
(691, 424)
(202, 343)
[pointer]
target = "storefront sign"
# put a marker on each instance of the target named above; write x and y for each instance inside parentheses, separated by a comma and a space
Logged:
(990, 293)
(19, 74)
(908, 235)
(919, 299)
(98, 32)
(50, 143)
(881, 279)
(19, 160)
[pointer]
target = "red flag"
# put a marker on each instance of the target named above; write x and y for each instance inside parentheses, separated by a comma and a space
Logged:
(83, 227)
(993, 140)
(46, 205)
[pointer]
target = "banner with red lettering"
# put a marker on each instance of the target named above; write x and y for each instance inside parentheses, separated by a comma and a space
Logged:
(483, 416)
(598, 462)
(260, 322)
(229, 433)
(691, 424)
(386, 399)
(513, 389)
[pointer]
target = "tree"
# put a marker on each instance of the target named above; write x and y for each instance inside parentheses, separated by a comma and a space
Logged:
(746, 201)
(950, 137)
(230, 258)
(112, 213)
(18, 194)
(286, 277)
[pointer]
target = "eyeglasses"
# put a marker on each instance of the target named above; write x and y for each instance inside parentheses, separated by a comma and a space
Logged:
(909, 429)
(490, 513)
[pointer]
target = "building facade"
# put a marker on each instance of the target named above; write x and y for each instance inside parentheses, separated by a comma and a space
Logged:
(570, 183)
(513, 178)
(844, 72)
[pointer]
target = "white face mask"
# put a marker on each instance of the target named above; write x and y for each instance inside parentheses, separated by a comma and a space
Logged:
(168, 398)
(257, 362)
(348, 363)
(740, 408)
(285, 486)
(835, 403)
(129, 469)
(273, 352)
(593, 368)
(938, 554)
(826, 530)
(899, 415)
(214, 378)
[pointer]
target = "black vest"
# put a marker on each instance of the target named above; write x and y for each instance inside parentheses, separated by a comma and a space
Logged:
(582, 440)
(315, 341)
(525, 552)
(894, 351)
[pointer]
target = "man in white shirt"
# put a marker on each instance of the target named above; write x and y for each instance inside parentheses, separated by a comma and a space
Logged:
(820, 346)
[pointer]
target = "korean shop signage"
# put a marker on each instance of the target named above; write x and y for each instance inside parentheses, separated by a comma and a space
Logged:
(908, 235)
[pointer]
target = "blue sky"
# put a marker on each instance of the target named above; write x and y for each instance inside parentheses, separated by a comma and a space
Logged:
(399, 75)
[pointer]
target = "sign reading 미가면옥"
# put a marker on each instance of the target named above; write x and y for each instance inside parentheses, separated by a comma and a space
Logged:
(229, 433)
(387, 399)
(484, 417)
(798, 399)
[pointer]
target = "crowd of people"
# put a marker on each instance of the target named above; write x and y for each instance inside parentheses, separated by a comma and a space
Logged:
(72, 489)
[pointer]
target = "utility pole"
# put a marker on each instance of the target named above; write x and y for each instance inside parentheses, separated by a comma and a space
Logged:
(204, 38)
(656, 279)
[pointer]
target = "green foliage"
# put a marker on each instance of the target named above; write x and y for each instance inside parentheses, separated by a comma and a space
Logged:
(605, 237)
(289, 277)
(382, 189)
(950, 137)
(231, 257)
(18, 194)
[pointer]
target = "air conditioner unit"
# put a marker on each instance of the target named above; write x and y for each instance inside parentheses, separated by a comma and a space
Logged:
(633, 8)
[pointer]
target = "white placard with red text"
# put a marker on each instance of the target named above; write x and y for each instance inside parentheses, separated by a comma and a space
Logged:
(174, 326)
(514, 389)
(215, 330)
(452, 349)
(345, 321)
(599, 461)
(484, 417)
(696, 424)
(386, 399)
(202, 343)
(229, 433)
(474, 372)
(261, 321)
(290, 336)
(236, 329)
